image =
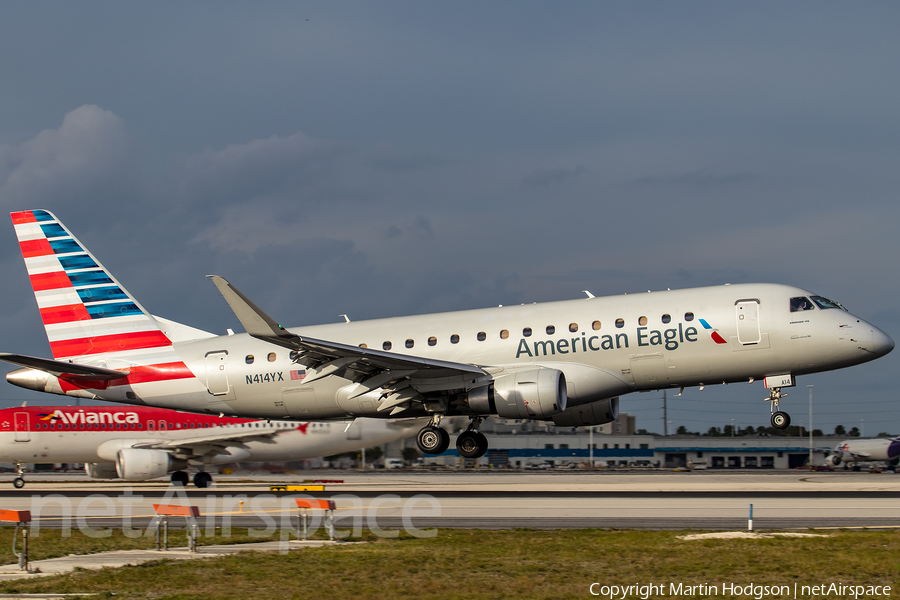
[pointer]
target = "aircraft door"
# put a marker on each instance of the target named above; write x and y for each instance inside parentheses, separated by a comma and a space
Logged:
(22, 421)
(747, 315)
(217, 373)
(649, 370)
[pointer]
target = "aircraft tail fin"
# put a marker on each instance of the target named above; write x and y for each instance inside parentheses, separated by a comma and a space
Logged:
(86, 312)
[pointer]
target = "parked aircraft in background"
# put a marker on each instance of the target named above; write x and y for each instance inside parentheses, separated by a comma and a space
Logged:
(566, 362)
(138, 442)
(854, 451)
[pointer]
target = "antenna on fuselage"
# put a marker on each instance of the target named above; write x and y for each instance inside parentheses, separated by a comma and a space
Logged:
(589, 295)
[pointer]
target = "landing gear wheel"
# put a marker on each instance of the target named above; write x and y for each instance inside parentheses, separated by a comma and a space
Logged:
(18, 483)
(471, 444)
(781, 420)
(433, 440)
(180, 478)
(202, 480)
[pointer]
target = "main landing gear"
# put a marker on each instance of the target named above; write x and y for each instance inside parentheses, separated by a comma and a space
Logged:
(201, 479)
(433, 439)
(471, 443)
(780, 419)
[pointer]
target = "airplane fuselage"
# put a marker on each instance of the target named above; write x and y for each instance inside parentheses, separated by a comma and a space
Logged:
(94, 434)
(606, 347)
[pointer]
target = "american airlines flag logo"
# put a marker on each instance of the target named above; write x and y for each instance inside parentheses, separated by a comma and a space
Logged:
(298, 374)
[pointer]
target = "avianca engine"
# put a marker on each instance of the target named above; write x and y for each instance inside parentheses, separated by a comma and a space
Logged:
(566, 362)
(138, 442)
(854, 451)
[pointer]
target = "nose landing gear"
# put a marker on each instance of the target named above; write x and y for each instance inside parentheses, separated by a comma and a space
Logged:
(780, 419)
(19, 481)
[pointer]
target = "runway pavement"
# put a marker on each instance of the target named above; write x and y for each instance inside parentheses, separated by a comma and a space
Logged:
(471, 499)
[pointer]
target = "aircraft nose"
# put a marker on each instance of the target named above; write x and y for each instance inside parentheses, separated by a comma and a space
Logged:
(881, 342)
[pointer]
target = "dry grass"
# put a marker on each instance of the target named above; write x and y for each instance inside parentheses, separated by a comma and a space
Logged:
(499, 564)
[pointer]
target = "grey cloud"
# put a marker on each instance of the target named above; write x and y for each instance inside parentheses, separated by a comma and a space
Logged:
(547, 177)
(89, 157)
(695, 180)
(423, 225)
(399, 162)
(260, 168)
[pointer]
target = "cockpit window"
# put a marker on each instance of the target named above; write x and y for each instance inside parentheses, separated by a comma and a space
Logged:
(824, 303)
(801, 303)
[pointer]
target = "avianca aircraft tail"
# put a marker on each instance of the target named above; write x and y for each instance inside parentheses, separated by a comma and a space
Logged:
(96, 329)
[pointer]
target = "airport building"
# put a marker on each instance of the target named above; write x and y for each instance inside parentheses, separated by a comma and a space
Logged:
(529, 445)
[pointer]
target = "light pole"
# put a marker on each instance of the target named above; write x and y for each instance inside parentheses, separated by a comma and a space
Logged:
(591, 447)
(732, 428)
(810, 428)
(665, 415)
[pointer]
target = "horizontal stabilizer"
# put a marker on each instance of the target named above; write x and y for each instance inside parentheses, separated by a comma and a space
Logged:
(59, 368)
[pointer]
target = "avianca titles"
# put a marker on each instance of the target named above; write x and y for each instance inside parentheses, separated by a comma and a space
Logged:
(566, 362)
(138, 442)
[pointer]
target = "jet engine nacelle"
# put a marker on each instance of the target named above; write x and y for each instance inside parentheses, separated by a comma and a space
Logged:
(135, 464)
(595, 413)
(536, 393)
(833, 460)
(104, 470)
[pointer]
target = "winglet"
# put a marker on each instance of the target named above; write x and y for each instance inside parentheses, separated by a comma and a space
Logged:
(255, 321)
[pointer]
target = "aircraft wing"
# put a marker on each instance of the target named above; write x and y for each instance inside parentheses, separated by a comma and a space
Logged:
(859, 455)
(62, 369)
(397, 374)
(204, 444)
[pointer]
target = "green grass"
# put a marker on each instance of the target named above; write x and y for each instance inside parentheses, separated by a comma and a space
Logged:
(51, 543)
(498, 564)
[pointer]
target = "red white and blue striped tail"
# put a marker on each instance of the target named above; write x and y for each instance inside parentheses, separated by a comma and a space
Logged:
(86, 312)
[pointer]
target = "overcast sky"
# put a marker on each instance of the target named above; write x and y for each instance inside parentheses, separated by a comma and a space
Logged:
(382, 159)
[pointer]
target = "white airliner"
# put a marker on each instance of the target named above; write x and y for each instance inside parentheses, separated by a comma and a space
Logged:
(563, 361)
(138, 442)
(854, 451)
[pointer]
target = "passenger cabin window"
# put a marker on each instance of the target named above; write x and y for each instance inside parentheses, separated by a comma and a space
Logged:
(596, 325)
(454, 339)
(526, 332)
(801, 303)
(386, 345)
(573, 327)
(642, 321)
(410, 343)
(363, 345)
(432, 341)
(271, 357)
(666, 318)
(824, 303)
(620, 323)
(481, 336)
(688, 316)
(551, 329)
(249, 359)
(504, 334)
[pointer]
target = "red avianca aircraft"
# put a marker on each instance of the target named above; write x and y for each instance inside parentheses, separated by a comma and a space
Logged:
(138, 442)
